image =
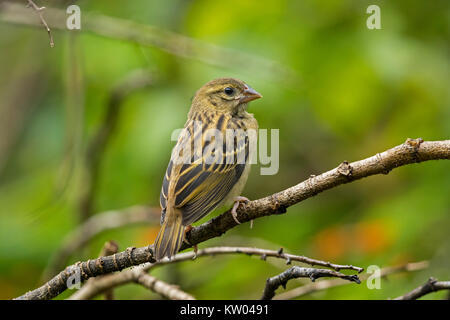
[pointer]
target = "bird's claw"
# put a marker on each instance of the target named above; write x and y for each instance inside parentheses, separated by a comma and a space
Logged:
(237, 202)
(188, 229)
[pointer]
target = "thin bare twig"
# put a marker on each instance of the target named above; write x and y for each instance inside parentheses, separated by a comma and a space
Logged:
(39, 12)
(152, 36)
(326, 284)
(273, 283)
(90, 290)
(164, 289)
(412, 151)
(137, 275)
(262, 253)
(431, 285)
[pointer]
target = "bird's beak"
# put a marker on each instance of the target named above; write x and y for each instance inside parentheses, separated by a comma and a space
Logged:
(249, 95)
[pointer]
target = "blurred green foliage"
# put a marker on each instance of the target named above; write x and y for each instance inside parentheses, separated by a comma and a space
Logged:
(355, 92)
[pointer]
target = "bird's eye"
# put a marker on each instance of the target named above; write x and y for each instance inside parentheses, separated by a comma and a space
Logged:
(229, 91)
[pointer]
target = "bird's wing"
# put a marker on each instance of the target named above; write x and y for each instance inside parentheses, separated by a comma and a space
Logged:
(200, 187)
(165, 191)
(201, 191)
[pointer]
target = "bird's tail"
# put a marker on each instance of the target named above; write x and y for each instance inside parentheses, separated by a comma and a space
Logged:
(170, 238)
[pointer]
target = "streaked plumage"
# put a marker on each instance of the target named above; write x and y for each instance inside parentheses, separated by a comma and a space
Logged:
(192, 190)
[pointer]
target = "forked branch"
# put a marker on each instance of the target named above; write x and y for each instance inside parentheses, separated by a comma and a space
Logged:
(412, 151)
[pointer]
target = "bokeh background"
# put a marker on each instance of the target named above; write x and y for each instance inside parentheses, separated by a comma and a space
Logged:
(335, 89)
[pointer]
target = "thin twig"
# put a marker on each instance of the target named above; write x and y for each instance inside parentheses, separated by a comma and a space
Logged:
(326, 284)
(153, 36)
(164, 289)
(137, 275)
(90, 290)
(294, 272)
(430, 286)
(263, 253)
(412, 151)
(39, 12)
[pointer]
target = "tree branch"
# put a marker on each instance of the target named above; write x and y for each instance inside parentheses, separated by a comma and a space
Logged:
(263, 253)
(273, 283)
(431, 285)
(109, 248)
(137, 275)
(39, 12)
(90, 290)
(147, 35)
(326, 284)
(164, 289)
(412, 151)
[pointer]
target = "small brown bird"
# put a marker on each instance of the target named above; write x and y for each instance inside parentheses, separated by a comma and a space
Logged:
(214, 174)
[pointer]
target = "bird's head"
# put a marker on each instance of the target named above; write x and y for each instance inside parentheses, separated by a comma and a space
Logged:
(225, 95)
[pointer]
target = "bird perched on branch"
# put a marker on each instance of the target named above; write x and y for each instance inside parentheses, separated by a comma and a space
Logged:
(210, 163)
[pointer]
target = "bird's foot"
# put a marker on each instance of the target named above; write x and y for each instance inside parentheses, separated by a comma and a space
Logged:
(188, 229)
(237, 202)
